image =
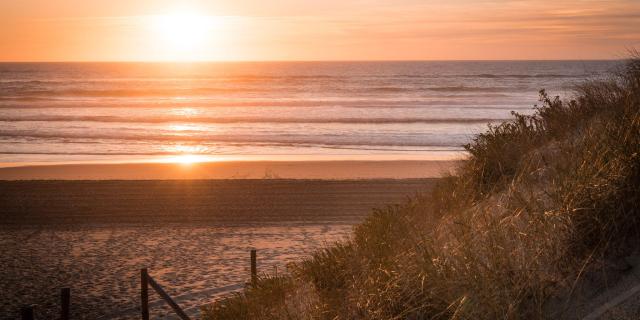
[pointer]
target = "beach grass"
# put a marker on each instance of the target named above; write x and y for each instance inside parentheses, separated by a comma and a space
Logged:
(543, 202)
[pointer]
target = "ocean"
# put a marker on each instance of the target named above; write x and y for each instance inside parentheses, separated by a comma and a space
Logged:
(131, 112)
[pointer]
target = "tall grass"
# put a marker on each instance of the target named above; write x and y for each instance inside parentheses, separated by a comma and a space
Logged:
(542, 201)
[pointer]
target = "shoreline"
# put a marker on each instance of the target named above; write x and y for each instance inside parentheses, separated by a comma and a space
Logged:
(237, 170)
(238, 202)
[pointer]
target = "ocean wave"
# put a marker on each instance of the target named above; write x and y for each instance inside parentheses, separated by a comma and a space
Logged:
(196, 92)
(440, 99)
(474, 89)
(298, 141)
(453, 89)
(268, 81)
(489, 76)
(217, 152)
(222, 120)
(128, 92)
(526, 76)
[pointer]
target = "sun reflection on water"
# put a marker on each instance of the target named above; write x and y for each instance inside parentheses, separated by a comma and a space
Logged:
(187, 154)
(187, 112)
(188, 159)
(183, 127)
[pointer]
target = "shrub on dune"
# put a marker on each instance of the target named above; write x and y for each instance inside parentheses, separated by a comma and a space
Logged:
(542, 201)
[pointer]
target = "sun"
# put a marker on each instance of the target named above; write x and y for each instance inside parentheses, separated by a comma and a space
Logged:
(184, 34)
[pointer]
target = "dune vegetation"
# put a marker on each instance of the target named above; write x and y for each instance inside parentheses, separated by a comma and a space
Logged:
(543, 202)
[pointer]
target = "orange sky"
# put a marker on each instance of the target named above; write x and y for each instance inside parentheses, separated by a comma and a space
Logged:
(117, 30)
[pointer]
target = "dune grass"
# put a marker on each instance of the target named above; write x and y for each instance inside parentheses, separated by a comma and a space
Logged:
(542, 201)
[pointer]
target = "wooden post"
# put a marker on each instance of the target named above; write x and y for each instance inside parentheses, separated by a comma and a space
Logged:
(27, 313)
(65, 301)
(144, 293)
(176, 308)
(254, 268)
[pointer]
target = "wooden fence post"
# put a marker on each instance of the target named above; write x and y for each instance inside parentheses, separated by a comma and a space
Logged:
(65, 301)
(27, 313)
(144, 293)
(167, 298)
(254, 268)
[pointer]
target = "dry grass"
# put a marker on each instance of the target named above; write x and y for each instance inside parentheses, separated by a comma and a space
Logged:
(543, 200)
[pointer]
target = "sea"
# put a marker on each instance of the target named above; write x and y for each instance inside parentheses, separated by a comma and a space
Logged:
(131, 112)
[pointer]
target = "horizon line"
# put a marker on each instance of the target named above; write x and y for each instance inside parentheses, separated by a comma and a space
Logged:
(328, 60)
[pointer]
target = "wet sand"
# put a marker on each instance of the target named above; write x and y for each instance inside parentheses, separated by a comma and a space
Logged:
(194, 236)
(338, 169)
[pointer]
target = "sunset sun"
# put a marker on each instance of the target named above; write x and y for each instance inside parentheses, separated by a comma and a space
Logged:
(184, 34)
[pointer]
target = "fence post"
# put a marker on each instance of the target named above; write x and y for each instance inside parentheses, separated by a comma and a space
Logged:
(65, 301)
(27, 313)
(144, 293)
(167, 299)
(254, 268)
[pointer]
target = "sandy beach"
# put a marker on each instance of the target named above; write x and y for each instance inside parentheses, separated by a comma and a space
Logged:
(193, 235)
(338, 169)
